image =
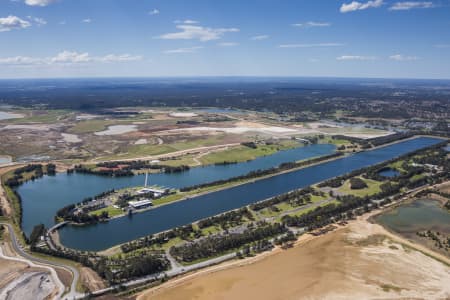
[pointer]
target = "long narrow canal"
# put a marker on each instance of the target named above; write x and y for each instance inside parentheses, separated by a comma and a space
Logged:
(120, 230)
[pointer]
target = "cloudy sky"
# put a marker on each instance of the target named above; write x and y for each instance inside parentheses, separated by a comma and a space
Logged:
(344, 38)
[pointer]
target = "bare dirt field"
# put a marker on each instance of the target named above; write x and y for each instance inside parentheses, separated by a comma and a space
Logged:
(91, 280)
(362, 260)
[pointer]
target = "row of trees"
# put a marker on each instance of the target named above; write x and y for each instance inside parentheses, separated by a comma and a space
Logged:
(184, 232)
(260, 173)
(297, 194)
(229, 219)
(114, 270)
(121, 169)
(215, 245)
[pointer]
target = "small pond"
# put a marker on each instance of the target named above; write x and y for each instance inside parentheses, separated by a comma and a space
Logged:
(389, 173)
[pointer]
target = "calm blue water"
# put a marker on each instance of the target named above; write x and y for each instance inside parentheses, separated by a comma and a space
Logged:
(42, 198)
(389, 173)
(120, 230)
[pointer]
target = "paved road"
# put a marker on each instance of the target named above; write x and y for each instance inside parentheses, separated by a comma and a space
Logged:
(73, 294)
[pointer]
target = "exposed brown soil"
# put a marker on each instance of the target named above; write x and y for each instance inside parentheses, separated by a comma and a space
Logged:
(361, 261)
(91, 280)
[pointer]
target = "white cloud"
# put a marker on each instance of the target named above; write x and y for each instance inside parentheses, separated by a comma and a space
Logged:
(38, 21)
(39, 2)
(154, 12)
(190, 22)
(187, 21)
(227, 44)
(13, 22)
(119, 58)
(355, 5)
(400, 57)
(68, 58)
(355, 57)
(411, 5)
(312, 24)
(20, 60)
(259, 37)
(197, 32)
(183, 50)
(310, 45)
(71, 57)
(86, 20)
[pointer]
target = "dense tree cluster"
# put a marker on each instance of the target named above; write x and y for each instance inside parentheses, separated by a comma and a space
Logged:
(37, 232)
(229, 219)
(122, 169)
(381, 140)
(114, 270)
(183, 232)
(218, 244)
(357, 183)
(293, 196)
(249, 145)
(18, 178)
(337, 181)
(324, 215)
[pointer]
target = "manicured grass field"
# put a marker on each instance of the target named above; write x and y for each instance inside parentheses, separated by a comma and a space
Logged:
(112, 211)
(243, 153)
(373, 187)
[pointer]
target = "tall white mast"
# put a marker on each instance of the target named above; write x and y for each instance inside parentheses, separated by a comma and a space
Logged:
(146, 179)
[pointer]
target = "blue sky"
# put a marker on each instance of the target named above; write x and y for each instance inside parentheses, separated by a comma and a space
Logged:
(345, 38)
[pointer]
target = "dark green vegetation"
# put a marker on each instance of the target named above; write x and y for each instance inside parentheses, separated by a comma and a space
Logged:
(225, 221)
(219, 244)
(260, 173)
(114, 270)
(35, 235)
(125, 168)
(357, 183)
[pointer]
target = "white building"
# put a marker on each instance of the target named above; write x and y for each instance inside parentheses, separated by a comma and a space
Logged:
(140, 204)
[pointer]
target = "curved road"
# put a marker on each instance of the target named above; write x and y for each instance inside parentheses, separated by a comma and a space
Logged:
(73, 294)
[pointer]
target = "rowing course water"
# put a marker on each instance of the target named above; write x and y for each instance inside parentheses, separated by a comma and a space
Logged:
(43, 197)
(120, 230)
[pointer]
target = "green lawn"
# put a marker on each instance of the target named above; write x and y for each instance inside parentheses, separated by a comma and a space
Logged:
(112, 211)
(306, 210)
(373, 187)
(243, 153)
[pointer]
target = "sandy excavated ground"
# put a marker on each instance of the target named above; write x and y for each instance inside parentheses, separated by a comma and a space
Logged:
(360, 261)
(91, 280)
(19, 281)
(29, 286)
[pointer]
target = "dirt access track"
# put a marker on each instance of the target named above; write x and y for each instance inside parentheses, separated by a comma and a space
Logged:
(361, 259)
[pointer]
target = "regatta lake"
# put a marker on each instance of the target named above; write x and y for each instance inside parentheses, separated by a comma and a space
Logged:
(43, 197)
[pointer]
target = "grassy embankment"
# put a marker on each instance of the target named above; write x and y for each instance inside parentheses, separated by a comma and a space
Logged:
(243, 153)
(373, 187)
